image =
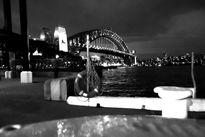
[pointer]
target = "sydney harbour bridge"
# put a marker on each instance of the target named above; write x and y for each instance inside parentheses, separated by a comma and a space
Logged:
(101, 40)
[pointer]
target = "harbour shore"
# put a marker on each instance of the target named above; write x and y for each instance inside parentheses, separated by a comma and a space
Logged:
(25, 104)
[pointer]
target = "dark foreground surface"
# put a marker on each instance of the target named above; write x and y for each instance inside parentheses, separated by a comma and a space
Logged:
(25, 104)
(112, 126)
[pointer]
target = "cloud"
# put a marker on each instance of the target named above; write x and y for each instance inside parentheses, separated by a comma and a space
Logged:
(190, 25)
(184, 33)
(150, 24)
(126, 17)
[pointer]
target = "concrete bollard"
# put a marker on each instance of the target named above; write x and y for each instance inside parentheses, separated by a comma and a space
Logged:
(59, 88)
(55, 89)
(175, 101)
(47, 89)
(8, 74)
(26, 77)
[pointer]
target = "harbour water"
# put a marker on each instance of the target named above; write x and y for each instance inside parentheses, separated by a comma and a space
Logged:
(140, 81)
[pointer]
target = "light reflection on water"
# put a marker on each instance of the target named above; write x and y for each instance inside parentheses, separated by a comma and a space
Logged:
(122, 82)
(140, 81)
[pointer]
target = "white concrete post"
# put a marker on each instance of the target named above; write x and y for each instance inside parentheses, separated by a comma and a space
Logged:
(26, 77)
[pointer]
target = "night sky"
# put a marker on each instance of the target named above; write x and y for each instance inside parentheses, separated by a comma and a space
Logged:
(148, 26)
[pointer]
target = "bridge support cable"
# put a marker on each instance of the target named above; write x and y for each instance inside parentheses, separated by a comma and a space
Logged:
(95, 44)
(100, 42)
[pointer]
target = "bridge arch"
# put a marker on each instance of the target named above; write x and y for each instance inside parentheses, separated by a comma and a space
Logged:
(80, 39)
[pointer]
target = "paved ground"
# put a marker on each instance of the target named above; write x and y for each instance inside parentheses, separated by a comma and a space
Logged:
(24, 104)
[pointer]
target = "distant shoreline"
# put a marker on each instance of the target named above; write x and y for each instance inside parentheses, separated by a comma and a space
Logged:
(154, 55)
(147, 56)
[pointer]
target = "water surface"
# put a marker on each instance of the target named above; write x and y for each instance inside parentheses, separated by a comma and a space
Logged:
(140, 81)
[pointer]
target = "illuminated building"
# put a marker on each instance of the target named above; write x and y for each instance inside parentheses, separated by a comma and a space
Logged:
(61, 36)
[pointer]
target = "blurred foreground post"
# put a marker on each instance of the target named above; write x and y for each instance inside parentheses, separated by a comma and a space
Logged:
(26, 75)
(88, 63)
(192, 75)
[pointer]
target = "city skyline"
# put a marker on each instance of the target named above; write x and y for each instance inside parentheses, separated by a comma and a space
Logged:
(147, 26)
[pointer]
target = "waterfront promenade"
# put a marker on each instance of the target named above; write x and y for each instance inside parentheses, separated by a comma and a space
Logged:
(24, 104)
